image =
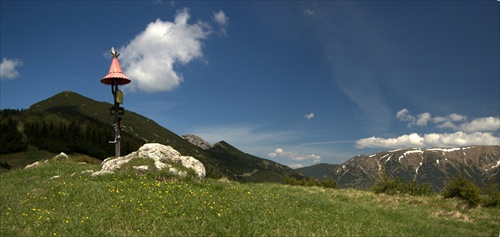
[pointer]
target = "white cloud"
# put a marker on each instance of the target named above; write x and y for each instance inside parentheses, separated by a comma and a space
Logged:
(150, 58)
(452, 117)
(309, 116)
(476, 132)
(481, 124)
(296, 166)
(8, 68)
(403, 115)
(411, 140)
(454, 121)
(421, 119)
(222, 20)
(430, 140)
(309, 12)
(280, 153)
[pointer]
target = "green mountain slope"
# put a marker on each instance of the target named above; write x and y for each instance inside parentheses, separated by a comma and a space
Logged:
(72, 120)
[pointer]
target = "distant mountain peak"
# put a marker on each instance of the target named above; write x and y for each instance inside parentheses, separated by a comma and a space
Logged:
(197, 141)
(424, 165)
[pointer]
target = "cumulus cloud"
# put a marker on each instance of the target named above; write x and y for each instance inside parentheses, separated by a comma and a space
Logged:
(454, 121)
(419, 120)
(149, 60)
(222, 20)
(280, 153)
(8, 68)
(476, 132)
(430, 140)
(481, 124)
(309, 116)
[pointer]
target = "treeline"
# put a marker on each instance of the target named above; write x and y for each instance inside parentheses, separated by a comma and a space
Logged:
(11, 139)
(60, 133)
(326, 183)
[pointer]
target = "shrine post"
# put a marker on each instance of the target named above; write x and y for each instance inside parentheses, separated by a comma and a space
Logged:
(116, 78)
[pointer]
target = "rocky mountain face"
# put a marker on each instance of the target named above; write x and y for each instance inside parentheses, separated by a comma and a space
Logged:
(433, 166)
(197, 141)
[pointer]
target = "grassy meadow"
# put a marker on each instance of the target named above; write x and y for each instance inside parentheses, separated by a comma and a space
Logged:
(57, 199)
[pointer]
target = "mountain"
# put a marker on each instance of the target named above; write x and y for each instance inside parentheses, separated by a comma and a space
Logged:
(433, 166)
(71, 122)
(197, 141)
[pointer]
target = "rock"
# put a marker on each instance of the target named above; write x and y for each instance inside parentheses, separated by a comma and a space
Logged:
(197, 141)
(141, 168)
(62, 155)
(162, 155)
(102, 172)
(34, 164)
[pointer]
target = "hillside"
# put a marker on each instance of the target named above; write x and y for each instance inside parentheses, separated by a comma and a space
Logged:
(434, 166)
(69, 122)
(63, 199)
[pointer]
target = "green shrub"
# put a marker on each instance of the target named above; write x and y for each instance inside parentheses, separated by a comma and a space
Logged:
(491, 194)
(463, 188)
(85, 158)
(385, 184)
(327, 183)
(388, 185)
(5, 165)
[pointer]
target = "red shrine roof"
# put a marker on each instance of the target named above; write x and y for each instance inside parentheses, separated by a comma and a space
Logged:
(115, 72)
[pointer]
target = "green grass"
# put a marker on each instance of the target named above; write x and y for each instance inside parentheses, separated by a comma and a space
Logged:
(19, 160)
(125, 204)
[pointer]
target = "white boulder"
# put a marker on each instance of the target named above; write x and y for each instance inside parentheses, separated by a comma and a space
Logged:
(162, 155)
(61, 155)
(32, 165)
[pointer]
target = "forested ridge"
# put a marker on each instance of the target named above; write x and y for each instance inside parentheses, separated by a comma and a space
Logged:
(69, 133)
(77, 125)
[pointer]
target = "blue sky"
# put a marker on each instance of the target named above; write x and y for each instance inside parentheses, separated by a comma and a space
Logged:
(298, 82)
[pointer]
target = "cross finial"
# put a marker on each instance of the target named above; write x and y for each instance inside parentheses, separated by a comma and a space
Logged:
(114, 53)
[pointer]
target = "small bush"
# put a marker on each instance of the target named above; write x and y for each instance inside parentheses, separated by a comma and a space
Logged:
(5, 165)
(463, 188)
(388, 185)
(327, 183)
(491, 194)
(85, 158)
(385, 184)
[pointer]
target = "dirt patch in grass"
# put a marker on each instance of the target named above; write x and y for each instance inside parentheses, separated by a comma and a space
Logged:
(453, 215)
(396, 200)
